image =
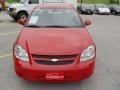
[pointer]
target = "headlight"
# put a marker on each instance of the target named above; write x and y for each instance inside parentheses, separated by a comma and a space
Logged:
(14, 10)
(88, 53)
(21, 53)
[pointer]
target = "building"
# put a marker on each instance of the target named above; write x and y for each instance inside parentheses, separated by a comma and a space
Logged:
(2, 2)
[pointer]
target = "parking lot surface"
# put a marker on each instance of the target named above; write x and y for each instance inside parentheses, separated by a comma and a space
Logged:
(105, 31)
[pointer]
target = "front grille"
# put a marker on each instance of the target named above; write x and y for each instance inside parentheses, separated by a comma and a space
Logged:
(46, 62)
(47, 59)
(88, 9)
(53, 56)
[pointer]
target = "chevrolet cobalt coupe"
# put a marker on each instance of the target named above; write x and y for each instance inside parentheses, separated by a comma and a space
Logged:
(54, 46)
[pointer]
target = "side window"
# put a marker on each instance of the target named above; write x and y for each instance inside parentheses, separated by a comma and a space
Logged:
(95, 7)
(33, 1)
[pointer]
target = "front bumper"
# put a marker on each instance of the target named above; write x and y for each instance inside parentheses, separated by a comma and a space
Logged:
(71, 73)
(104, 12)
(117, 12)
(87, 12)
(12, 14)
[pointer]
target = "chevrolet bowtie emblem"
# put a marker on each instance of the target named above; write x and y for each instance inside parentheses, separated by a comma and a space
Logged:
(54, 60)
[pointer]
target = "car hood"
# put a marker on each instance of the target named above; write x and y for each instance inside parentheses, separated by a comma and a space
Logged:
(14, 5)
(54, 41)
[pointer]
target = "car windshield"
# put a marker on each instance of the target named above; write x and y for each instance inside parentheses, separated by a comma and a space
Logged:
(53, 1)
(87, 6)
(102, 6)
(22, 1)
(54, 17)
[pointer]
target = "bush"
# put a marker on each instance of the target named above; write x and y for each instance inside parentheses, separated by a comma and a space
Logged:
(114, 1)
(11, 1)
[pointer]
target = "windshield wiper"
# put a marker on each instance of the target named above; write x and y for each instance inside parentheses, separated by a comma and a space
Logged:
(50, 26)
(57, 26)
(35, 26)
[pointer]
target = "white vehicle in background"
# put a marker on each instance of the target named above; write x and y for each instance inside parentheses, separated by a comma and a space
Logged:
(24, 7)
(101, 9)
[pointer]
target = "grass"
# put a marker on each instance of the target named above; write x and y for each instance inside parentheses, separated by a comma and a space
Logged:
(11, 1)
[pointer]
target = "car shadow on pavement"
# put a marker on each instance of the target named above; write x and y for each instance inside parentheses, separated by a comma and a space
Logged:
(11, 21)
(51, 86)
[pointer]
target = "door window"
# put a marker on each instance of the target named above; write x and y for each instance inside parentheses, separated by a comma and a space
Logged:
(33, 1)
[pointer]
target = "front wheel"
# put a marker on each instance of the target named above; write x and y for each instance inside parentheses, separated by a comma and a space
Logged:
(114, 13)
(15, 18)
(22, 15)
(97, 12)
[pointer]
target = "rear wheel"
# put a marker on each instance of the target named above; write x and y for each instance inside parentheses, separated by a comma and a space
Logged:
(78, 9)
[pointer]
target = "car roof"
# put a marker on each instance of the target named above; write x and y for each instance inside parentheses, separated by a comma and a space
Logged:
(54, 6)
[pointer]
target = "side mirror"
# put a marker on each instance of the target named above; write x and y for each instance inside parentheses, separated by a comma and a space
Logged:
(87, 22)
(21, 21)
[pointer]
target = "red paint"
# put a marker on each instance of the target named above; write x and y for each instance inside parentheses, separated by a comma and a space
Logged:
(54, 41)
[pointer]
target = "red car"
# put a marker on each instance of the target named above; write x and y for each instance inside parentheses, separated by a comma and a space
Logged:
(54, 46)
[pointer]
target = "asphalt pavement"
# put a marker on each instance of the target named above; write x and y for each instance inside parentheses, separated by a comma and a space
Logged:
(105, 31)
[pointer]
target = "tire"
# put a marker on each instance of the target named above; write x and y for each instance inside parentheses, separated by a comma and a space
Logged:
(15, 18)
(98, 13)
(114, 13)
(91, 13)
(22, 15)
(79, 11)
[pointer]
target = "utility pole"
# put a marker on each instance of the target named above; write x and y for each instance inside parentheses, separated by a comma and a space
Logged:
(81, 1)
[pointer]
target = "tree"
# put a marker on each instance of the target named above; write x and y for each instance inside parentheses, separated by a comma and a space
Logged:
(81, 1)
(115, 1)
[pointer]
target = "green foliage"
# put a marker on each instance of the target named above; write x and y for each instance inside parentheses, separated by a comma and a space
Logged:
(10, 1)
(114, 1)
